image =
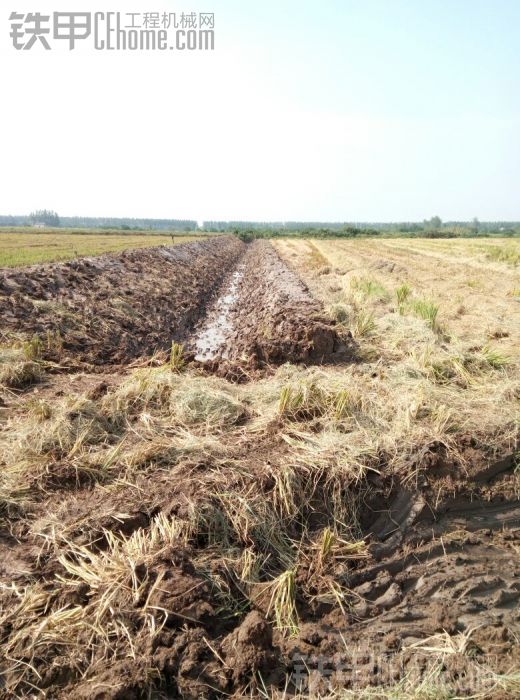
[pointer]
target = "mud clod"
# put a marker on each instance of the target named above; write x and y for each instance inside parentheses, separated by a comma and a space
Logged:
(249, 648)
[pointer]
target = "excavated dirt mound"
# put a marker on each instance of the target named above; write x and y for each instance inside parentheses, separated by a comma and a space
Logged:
(271, 317)
(276, 317)
(117, 307)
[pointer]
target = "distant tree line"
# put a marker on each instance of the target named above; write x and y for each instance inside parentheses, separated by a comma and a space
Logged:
(429, 228)
(129, 224)
(51, 218)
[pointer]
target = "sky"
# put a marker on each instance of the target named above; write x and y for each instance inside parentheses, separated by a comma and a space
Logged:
(339, 110)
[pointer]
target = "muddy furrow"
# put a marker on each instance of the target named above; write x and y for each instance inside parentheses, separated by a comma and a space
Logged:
(456, 600)
(266, 315)
(231, 305)
(116, 307)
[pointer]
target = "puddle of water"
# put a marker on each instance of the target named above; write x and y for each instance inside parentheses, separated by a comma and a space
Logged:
(213, 334)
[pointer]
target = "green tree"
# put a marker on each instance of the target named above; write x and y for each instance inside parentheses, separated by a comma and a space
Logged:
(45, 216)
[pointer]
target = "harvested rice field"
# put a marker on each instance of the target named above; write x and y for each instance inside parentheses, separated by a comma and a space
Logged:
(278, 469)
(22, 246)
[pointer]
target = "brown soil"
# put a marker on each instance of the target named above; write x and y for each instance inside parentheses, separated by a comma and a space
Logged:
(117, 307)
(438, 580)
(443, 562)
(274, 318)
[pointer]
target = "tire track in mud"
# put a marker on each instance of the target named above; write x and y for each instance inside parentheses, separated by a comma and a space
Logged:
(445, 583)
(441, 583)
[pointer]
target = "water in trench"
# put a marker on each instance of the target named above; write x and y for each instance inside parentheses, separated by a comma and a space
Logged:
(212, 335)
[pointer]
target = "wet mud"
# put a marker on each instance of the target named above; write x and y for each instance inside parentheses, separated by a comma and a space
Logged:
(440, 580)
(116, 307)
(439, 577)
(225, 301)
(211, 338)
(266, 316)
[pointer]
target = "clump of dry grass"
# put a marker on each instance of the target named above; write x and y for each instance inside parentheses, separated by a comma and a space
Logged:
(196, 404)
(19, 375)
(17, 369)
(308, 400)
(427, 310)
(189, 401)
(155, 418)
(461, 368)
(177, 361)
(402, 293)
(366, 288)
(340, 313)
(283, 603)
(22, 361)
(37, 347)
(364, 324)
(146, 389)
(163, 450)
(60, 430)
(506, 253)
(32, 448)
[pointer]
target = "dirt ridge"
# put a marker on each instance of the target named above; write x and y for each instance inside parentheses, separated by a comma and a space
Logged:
(274, 318)
(116, 307)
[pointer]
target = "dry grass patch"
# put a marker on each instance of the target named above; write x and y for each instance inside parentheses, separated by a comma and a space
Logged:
(186, 401)
(18, 369)
(507, 253)
(120, 609)
(20, 375)
(157, 416)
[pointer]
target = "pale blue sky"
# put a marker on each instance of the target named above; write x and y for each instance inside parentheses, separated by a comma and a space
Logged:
(360, 110)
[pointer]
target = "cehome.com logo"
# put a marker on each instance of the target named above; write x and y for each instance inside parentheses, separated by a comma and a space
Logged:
(115, 31)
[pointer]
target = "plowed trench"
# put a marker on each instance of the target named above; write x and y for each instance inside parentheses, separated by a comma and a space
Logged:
(115, 308)
(210, 339)
(224, 300)
(264, 314)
